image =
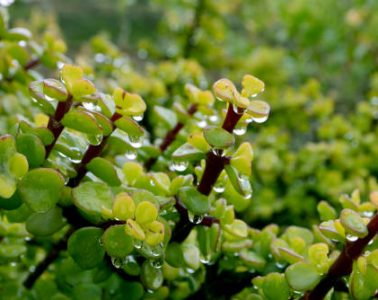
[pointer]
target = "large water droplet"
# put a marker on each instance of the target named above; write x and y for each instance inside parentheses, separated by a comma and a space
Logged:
(95, 140)
(138, 244)
(202, 123)
(260, 119)
(138, 118)
(157, 250)
(136, 141)
(351, 237)
(194, 218)
(157, 262)
(117, 262)
(179, 166)
(240, 130)
(131, 154)
(213, 118)
(219, 187)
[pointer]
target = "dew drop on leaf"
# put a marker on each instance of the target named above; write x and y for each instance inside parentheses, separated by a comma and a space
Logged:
(138, 244)
(131, 154)
(117, 262)
(194, 218)
(138, 118)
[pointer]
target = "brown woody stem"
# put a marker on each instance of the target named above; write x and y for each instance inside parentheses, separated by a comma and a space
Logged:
(343, 264)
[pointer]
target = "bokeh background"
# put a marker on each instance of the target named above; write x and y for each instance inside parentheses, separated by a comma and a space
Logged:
(318, 59)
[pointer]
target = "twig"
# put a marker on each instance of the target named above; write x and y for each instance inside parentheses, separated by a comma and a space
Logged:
(54, 125)
(32, 63)
(343, 264)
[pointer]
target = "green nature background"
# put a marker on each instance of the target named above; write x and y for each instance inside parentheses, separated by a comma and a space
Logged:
(318, 59)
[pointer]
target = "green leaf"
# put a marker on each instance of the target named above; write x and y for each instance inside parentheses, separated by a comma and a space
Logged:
(116, 242)
(259, 110)
(36, 91)
(123, 207)
(41, 189)
(166, 116)
(302, 276)
(152, 278)
(252, 86)
(353, 222)
(18, 165)
(32, 147)
(242, 159)
(252, 259)
(45, 224)
(129, 126)
(194, 201)
(104, 170)
(154, 233)
(187, 152)
(71, 73)
(145, 212)
(326, 211)
(133, 229)
(18, 34)
(128, 104)
(240, 184)
(218, 138)
(275, 287)
(225, 90)
(104, 122)
(237, 228)
(80, 88)
(11, 203)
(91, 198)
(82, 121)
(174, 255)
(84, 247)
(55, 89)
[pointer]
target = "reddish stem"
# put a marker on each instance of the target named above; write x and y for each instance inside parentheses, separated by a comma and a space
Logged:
(343, 264)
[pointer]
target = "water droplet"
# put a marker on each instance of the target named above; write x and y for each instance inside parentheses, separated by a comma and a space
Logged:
(190, 271)
(194, 218)
(351, 238)
(131, 154)
(157, 250)
(207, 259)
(240, 130)
(213, 118)
(249, 120)
(260, 119)
(95, 140)
(101, 242)
(138, 118)
(179, 166)
(280, 265)
(202, 123)
(218, 152)
(117, 262)
(368, 214)
(138, 244)
(219, 187)
(136, 141)
(157, 263)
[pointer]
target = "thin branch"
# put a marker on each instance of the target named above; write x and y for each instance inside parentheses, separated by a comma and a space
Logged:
(170, 137)
(343, 264)
(32, 63)
(54, 125)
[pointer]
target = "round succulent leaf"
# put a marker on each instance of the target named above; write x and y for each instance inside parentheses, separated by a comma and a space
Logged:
(218, 138)
(252, 86)
(11, 203)
(275, 287)
(55, 89)
(18, 165)
(123, 207)
(129, 126)
(36, 91)
(104, 122)
(252, 259)
(152, 278)
(145, 212)
(133, 229)
(237, 228)
(85, 248)
(82, 121)
(225, 90)
(302, 276)
(154, 233)
(194, 201)
(32, 147)
(71, 73)
(165, 116)
(41, 189)
(80, 88)
(187, 152)
(91, 198)
(132, 171)
(45, 224)
(258, 109)
(104, 170)
(197, 140)
(326, 211)
(242, 159)
(353, 223)
(116, 242)
(174, 255)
